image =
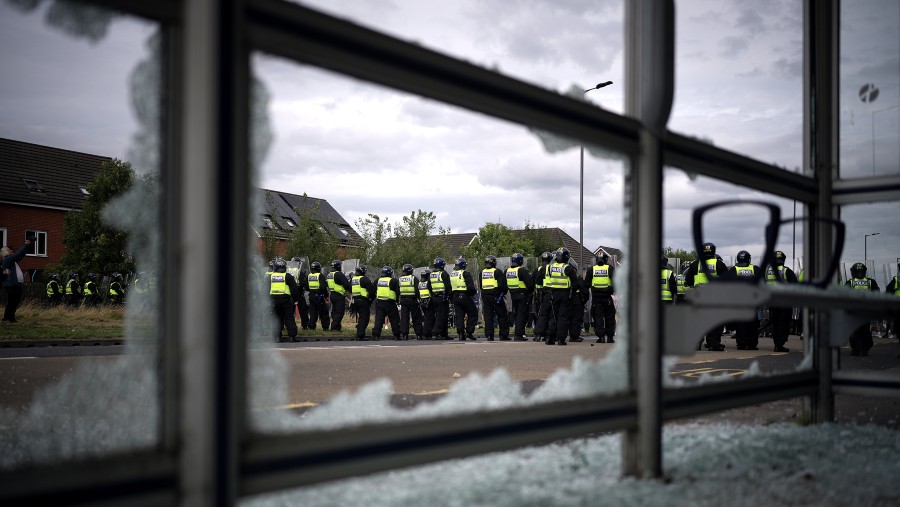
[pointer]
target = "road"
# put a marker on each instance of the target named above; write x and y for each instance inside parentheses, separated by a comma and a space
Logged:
(318, 370)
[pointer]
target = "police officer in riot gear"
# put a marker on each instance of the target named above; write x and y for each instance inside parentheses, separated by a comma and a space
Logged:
(545, 324)
(441, 293)
(303, 287)
(54, 290)
(746, 333)
(708, 266)
(493, 292)
(668, 285)
(73, 290)
(116, 290)
(603, 310)
(409, 303)
(861, 339)
(426, 305)
(464, 308)
(779, 316)
(363, 291)
(387, 293)
(318, 296)
(521, 286)
(339, 287)
(282, 292)
(562, 280)
(91, 291)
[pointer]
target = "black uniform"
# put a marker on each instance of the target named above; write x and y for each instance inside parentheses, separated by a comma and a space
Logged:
(91, 293)
(711, 269)
(425, 302)
(440, 299)
(578, 303)
(363, 291)
(73, 292)
(464, 308)
(338, 300)
(54, 293)
(302, 307)
(603, 309)
(893, 287)
(780, 317)
(562, 297)
(318, 293)
(386, 306)
(521, 288)
(545, 323)
(282, 291)
(861, 339)
(409, 306)
(493, 303)
(746, 333)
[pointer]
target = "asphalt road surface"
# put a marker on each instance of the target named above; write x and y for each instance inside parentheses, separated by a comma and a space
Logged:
(421, 370)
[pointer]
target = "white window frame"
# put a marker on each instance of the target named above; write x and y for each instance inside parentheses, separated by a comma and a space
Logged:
(41, 240)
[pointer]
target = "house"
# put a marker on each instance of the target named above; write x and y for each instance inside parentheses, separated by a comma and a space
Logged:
(38, 185)
(282, 214)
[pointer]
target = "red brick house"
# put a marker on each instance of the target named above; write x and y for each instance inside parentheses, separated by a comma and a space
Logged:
(38, 185)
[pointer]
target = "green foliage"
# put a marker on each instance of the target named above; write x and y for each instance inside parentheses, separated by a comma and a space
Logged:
(497, 240)
(374, 231)
(413, 240)
(539, 238)
(681, 253)
(90, 245)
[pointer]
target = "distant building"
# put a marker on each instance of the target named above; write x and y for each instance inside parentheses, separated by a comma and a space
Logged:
(38, 185)
(282, 214)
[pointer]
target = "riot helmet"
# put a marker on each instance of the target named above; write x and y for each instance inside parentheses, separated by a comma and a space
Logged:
(92, 277)
(562, 255)
(296, 259)
(858, 270)
(315, 267)
(664, 262)
(439, 263)
(117, 276)
(517, 259)
(490, 261)
(361, 270)
(779, 258)
(54, 276)
(743, 258)
(407, 269)
(461, 263)
(279, 265)
(387, 271)
(425, 274)
(546, 257)
(709, 250)
(602, 259)
(336, 264)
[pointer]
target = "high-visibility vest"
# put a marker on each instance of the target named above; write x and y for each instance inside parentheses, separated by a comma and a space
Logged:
(383, 291)
(742, 271)
(295, 272)
(70, 287)
(115, 289)
(457, 281)
(680, 287)
(512, 278)
(314, 281)
(896, 291)
(356, 287)
(278, 284)
(861, 284)
(600, 278)
(424, 293)
(666, 293)
(437, 281)
(88, 289)
(709, 266)
(539, 281)
(558, 278)
(408, 286)
(488, 279)
(771, 279)
(50, 291)
(334, 286)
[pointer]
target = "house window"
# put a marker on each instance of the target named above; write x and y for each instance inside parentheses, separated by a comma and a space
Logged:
(3, 241)
(289, 222)
(344, 231)
(39, 247)
(84, 190)
(267, 220)
(33, 186)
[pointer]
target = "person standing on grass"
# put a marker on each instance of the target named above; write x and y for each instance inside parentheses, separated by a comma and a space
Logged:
(13, 279)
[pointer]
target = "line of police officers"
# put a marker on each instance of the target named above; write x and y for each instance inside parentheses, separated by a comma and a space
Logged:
(559, 298)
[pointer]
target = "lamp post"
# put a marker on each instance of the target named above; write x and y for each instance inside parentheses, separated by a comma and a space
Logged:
(866, 246)
(581, 193)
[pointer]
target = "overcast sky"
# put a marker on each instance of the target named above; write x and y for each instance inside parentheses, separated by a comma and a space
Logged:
(738, 85)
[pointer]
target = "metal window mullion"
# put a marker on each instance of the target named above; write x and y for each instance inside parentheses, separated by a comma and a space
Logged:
(212, 240)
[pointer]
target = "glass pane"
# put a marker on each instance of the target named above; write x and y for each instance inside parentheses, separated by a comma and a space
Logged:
(736, 233)
(411, 180)
(870, 88)
(80, 91)
(553, 45)
(873, 239)
(739, 80)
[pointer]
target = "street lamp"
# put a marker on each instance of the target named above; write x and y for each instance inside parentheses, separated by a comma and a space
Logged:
(581, 192)
(865, 245)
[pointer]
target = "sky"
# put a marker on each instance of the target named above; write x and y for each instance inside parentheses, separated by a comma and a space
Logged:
(367, 149)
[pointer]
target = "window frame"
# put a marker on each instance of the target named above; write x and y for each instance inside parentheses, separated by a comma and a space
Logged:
(41, 239)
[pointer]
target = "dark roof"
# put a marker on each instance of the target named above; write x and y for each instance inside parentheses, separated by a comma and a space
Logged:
(35, 175)
(556, 238)
(455, 241)
(282, 205)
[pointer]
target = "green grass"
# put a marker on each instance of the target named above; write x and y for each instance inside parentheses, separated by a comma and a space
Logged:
(34, 322)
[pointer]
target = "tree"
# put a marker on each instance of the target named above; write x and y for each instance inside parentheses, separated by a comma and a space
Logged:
(413, 239)
(681, 253)
(497, 240)
(374, 231)
(309, 237)
(91, 245)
